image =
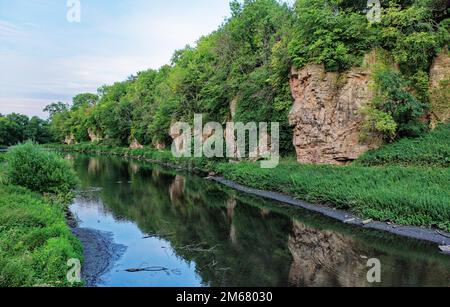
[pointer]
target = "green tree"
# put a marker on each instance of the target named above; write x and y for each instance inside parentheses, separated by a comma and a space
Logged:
(84, 100)
(55, 108)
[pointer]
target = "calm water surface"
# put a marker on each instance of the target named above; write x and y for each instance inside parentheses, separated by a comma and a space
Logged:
(200, 233)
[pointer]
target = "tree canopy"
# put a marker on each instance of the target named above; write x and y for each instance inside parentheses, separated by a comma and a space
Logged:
(17, 128)
(247, 60)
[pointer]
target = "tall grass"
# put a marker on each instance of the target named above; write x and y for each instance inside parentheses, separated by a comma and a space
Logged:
(432, 150)
(35, 242)
(404, 195)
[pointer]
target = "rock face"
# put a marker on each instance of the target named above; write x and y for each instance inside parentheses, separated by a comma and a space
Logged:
(326, 114)
(136, 145)
(70, 139)
(159, 145)
(440, 88)
(93, 136)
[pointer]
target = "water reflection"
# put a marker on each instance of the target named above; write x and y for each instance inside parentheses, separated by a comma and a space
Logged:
(324, 258)
(214, 236)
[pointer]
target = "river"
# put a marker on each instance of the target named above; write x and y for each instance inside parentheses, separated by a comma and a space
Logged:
(187, 231)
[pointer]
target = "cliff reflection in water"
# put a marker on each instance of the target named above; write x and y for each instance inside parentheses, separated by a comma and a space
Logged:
(237, 240)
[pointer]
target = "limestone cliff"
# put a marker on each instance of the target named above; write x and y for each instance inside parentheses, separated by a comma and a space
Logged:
(440, 88)
(135, 144)
(94, 136)
(326, 115)
(70, 139)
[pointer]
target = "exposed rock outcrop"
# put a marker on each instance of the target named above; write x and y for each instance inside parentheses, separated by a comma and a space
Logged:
(327, 115)
(179, 143)
(440, 88)
(159, 145)
(136, 145)
(70, 139)
(93, 136)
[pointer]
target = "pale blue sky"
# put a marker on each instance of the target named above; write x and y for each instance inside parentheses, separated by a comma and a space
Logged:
(44, 58)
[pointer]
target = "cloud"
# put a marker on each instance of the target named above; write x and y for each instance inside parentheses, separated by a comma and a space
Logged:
(64, 76)
(8, 29)
(44, 59)
(27, 106)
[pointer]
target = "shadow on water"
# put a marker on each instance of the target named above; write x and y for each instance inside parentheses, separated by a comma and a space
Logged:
(200, 233)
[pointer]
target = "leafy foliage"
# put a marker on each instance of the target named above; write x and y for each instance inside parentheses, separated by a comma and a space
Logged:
(331, 34)
(17, 128)
(32, 167)
(398, 112)
(247, 61)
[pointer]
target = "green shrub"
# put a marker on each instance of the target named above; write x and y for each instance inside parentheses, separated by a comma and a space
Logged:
(329, 34)
(41, 171)
(394, 112)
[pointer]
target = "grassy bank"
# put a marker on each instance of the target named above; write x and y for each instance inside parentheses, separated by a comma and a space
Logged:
(432, 150)
(417, 196)
(35, 240)
(409, 196)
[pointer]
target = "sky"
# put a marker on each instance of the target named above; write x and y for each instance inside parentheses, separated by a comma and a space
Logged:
(44, 58)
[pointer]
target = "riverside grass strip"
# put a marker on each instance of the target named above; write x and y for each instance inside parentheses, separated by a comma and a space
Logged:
(36, 242)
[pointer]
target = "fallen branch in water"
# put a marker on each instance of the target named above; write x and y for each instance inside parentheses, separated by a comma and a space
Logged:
(155, 269)
(148, 269)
